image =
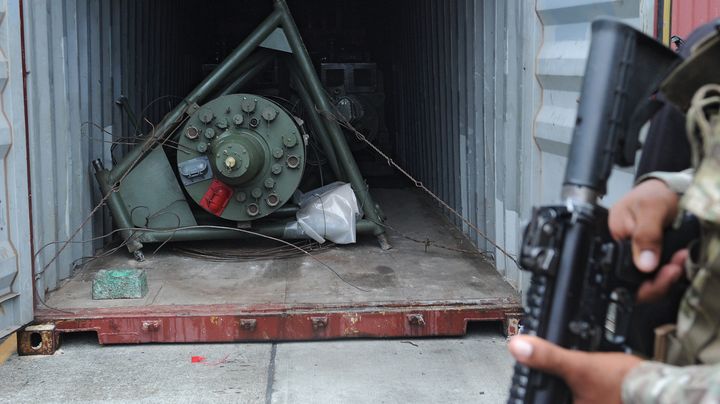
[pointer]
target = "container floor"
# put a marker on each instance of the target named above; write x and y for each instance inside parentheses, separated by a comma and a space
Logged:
(338, 275)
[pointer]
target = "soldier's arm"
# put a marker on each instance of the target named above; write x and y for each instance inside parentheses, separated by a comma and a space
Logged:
(654, 382)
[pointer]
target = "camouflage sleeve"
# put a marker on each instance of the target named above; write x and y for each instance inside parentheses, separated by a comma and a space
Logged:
(678, 182)
(654, 382)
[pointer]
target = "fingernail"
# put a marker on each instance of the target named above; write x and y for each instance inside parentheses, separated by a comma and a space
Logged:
(521, 349)
(647, 260)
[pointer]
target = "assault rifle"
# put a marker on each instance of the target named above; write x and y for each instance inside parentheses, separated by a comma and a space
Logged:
(583, 282)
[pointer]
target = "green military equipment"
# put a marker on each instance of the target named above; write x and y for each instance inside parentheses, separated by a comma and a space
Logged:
(119, 283)
(249, 129)
(238, 157)
(163, 208)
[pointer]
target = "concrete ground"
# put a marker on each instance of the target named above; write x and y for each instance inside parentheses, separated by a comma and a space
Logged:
(475, 368)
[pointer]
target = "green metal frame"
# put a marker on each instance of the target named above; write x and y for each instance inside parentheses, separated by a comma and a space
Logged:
(247, 70)
(273, 229)
(317, 124)
(235, 70)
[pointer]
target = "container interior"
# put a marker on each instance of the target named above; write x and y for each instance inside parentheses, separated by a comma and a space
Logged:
(415, 61)
(255, 273)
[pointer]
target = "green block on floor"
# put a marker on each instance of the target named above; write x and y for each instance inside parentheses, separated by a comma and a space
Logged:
(119, 283)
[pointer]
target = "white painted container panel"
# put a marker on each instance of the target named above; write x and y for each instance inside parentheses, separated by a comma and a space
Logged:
(16, 297)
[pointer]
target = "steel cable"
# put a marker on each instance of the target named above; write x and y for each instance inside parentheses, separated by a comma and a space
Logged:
(343, 123)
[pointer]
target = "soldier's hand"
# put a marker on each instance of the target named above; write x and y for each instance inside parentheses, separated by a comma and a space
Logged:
(592, 377)
(652, 290)
(642, 215)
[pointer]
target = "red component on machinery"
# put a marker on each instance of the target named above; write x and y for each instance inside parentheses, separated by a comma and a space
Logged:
(216, 198)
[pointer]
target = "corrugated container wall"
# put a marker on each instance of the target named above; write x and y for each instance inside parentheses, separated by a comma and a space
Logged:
(79, 64)
(465, 121)
(16, 308)
(560, 69)
(490, 92)
(487, 94)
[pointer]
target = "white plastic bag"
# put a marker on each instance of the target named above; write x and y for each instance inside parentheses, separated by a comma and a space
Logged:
(329, 213)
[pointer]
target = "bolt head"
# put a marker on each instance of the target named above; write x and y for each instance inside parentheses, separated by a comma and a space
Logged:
(272, 200)
(206, 116)
(269, 114)
(293, 161)
(252, 209)
(192, 133)
(248, 105)
(289, 140)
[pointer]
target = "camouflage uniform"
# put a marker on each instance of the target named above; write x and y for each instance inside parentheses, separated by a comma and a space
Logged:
(697, 337)
(654, 382)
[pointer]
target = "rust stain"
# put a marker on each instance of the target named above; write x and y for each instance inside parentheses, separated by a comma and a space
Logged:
(352, 327)
(354, 318)
(40, 339)
(224, 323)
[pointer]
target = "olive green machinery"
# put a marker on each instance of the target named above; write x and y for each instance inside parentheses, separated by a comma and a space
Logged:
(239, 156)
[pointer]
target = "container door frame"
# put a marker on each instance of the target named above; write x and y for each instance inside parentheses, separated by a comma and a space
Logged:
(16, 293)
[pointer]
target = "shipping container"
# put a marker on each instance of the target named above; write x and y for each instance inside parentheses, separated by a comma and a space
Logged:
(476, 101)
(678, 18)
